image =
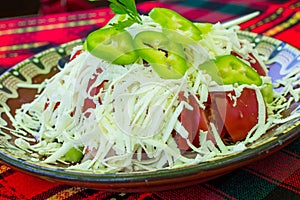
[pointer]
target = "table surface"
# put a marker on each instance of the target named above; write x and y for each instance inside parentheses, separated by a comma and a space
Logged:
(23, 37)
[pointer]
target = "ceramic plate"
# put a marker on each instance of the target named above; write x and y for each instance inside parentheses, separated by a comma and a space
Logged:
(279, 56)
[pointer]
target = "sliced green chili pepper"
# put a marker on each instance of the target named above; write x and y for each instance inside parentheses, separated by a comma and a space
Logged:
(204, 27)
(112, 45)
(166, 57)
(177, 27)
(74, 155)
(229, 69)
(267, 92)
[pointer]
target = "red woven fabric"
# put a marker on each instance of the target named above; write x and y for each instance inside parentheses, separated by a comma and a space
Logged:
(24, 37)
(275, 177)
(280, 21)
(59, 6)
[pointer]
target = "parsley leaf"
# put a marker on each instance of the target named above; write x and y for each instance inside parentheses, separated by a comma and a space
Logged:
(127, 7)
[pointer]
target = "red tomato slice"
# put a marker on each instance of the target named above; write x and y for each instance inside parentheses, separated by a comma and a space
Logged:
(193, 121)
(256, 65)
(190, 121)
(75, 55)
(214, 114)
(55, 106)
(239, 119)
(89, 103)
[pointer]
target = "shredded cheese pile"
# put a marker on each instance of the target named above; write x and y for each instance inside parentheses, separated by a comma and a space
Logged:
(131, 128)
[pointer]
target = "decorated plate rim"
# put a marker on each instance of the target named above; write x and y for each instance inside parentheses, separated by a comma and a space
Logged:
(290, 133)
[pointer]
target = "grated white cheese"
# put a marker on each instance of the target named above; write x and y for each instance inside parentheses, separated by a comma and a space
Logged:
(129, 124)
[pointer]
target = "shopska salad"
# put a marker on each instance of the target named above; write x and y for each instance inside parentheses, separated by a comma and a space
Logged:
(152, 92)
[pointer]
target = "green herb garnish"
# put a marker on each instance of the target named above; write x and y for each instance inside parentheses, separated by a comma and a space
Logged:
(127, 7)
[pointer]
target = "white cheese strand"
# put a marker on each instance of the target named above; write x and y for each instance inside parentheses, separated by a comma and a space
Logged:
(130, 123)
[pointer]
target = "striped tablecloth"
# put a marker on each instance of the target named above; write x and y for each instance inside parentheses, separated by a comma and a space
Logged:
(275, 177)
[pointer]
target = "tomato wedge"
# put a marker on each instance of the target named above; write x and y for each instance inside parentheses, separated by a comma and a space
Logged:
(231, 118)
(213, 114)
(190, 121)
(55, 106)
(89, 103)
(193, 120)
(256, 65)
(240, 116)
(78, 52)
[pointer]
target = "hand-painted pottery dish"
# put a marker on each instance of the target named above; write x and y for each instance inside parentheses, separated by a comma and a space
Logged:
(279, 56)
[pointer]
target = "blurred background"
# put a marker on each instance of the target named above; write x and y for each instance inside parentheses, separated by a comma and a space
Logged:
(12, 8)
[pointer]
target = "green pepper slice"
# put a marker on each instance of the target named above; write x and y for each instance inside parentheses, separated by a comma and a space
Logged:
(229, 69)
(177, 27)
(267, 92)
(112, 45)
(166, 57)
(204, 27)
(74, 155)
